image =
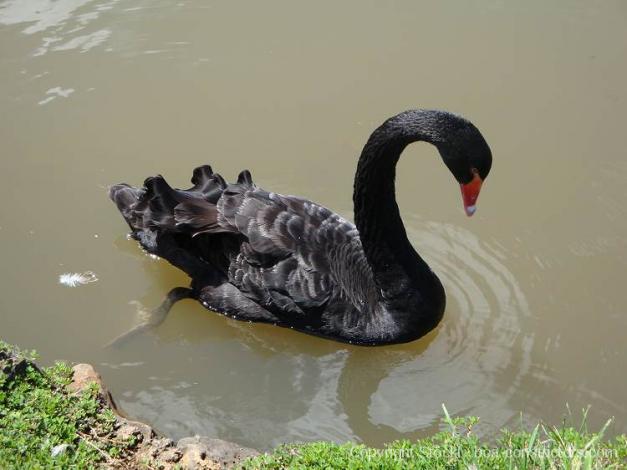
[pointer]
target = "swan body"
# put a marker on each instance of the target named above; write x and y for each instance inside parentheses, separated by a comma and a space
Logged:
(260, 256)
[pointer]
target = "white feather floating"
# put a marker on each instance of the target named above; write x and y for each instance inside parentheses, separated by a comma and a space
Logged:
(77, 279)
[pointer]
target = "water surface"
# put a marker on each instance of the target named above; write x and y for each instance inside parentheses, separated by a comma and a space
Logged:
(98, 92)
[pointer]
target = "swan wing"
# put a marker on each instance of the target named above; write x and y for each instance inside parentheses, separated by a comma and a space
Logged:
(284, 260)
(286, 253)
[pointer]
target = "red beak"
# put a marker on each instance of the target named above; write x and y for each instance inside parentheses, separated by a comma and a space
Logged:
(470, 193)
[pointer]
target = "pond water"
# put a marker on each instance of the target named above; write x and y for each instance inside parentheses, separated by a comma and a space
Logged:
(99, 92)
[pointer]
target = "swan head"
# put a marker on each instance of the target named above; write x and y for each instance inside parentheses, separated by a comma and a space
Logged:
(467, 155)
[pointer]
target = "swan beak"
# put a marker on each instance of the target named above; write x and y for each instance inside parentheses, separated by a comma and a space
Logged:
(470, 193)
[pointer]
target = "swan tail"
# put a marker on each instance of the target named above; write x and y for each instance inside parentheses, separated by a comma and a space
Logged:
(157, 208)
(197, 216)
(200, 215)
(126, 199)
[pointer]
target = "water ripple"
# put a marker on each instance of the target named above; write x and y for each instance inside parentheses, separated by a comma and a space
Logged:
(59, 20)
(479, 353)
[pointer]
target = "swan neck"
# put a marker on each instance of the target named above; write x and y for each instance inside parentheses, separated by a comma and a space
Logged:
(397, 268)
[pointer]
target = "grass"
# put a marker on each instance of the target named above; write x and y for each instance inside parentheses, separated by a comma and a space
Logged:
(458, 448)
(42, 425)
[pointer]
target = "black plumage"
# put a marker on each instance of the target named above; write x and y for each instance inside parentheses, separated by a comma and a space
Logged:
(261, 256)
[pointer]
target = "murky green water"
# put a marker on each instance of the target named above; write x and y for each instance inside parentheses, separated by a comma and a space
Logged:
(94, 93)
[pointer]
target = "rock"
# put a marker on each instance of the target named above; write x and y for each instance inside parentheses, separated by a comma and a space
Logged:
(128, 432)
(83, 375)
(212, 453)
(195, 458)
(158, 453)
(171, 455)
(160, 445)
(127, 429)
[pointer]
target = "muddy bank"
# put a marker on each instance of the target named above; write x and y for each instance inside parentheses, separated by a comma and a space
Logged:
(154, 450)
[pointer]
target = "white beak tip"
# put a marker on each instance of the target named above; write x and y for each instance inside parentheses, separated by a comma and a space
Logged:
(470, 210)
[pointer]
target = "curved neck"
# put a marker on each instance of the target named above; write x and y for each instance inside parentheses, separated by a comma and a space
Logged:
(396, 266)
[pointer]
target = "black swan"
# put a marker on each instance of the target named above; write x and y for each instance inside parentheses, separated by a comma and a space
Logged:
(259, 256)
